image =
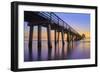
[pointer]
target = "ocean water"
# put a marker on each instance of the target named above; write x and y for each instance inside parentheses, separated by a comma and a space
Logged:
(73, 50)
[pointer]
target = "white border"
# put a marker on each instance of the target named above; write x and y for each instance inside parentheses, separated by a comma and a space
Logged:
(22, 64)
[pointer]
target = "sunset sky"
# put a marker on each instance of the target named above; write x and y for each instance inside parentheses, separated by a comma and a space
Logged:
(80, 22)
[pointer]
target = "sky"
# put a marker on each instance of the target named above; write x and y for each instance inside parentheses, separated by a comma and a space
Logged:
(80, 22)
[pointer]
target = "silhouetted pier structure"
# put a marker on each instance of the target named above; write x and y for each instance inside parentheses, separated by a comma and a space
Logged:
(52, 22)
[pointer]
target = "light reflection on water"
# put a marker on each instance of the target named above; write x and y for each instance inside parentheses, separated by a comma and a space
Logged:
(77, 50)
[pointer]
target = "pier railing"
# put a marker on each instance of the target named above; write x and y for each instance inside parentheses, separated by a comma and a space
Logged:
(57, 20)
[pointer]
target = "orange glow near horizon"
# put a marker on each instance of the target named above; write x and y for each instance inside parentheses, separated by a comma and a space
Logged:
(44, 35)
(87, 34)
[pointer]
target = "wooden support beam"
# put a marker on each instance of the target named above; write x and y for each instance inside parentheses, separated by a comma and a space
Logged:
(68, 44)
(68, 37)
(39, 42)
(76, 38)
(30, 42)
(55, 42)
(49, 41)
(72, 41)
(62, 44)
(58, 44)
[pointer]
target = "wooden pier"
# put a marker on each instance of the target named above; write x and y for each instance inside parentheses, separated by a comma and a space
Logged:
(52, 22)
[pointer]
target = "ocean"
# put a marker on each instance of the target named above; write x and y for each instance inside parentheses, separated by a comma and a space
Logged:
(73, 50)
